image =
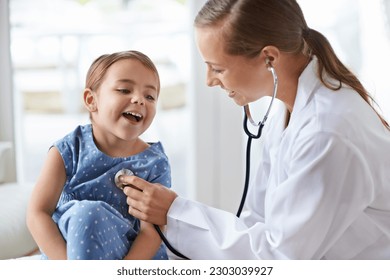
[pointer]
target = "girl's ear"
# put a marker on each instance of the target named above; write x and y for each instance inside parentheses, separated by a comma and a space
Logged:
(90, 100)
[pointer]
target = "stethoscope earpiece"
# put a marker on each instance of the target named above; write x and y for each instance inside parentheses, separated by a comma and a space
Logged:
(267, 61)
(123, 171)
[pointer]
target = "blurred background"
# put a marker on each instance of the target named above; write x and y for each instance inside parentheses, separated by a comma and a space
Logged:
(53, 42)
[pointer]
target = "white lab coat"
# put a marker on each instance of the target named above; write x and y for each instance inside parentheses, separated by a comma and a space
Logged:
(322, 188)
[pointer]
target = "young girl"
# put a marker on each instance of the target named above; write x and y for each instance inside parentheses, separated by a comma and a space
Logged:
(76, 210)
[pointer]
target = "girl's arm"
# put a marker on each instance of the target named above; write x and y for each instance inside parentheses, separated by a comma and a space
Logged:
(42, 205)
(146, 244)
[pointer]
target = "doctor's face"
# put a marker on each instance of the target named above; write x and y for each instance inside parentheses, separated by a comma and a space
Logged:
(244, 79)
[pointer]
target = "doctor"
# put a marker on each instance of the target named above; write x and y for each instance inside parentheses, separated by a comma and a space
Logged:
(322, 188)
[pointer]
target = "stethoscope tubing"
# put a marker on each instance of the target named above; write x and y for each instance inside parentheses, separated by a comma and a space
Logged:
(247, 112)
(169, 246)
(251, 136)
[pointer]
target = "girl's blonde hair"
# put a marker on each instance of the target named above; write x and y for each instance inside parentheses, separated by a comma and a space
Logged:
(99, 67)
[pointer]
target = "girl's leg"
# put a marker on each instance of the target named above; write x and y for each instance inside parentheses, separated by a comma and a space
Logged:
(94, 230)
(161, 253)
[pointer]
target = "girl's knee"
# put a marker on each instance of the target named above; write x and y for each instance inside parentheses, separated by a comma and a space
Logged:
(84, 213)
(91, 211)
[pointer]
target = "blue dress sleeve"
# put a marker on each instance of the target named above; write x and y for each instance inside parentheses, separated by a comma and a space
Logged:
(160, 170)
(69, 147)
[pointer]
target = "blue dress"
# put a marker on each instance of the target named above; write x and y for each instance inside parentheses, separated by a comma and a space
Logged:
(92, 213)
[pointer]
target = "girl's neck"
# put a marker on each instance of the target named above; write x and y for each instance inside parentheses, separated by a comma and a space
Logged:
(116, 147)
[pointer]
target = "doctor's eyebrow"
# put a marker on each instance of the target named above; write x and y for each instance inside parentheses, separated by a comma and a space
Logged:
(212, 63)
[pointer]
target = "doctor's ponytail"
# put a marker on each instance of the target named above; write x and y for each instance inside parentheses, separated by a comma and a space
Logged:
(329, 65)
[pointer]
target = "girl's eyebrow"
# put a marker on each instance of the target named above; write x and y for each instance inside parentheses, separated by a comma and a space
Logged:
(132, 82)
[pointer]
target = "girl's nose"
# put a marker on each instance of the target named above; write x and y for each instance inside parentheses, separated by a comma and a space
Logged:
(137, 99)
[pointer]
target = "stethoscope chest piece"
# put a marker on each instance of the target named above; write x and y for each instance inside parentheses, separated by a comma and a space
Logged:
(123, 171)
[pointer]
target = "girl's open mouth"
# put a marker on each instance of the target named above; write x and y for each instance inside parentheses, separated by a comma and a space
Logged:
(133, 116)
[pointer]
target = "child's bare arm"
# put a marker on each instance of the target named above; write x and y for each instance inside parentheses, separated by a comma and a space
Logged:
(42, 205)
(146, 245)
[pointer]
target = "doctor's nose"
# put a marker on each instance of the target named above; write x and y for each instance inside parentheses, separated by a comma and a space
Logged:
(211, 80)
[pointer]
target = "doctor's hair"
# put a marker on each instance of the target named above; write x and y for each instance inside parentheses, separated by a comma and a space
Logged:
(247, 26)
(99, 67)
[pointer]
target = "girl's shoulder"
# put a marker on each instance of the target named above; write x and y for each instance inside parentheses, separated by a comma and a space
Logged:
(74, 142)
(157, 149)
(80, 133)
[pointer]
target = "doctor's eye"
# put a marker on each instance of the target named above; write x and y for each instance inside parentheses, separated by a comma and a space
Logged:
(217, 71)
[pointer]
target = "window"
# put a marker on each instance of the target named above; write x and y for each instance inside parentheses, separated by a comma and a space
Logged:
(53, 42)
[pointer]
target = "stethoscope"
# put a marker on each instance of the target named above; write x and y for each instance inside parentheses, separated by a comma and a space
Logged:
(251, 136)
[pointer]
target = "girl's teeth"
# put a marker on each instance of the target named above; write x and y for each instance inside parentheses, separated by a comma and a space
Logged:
(137, 116)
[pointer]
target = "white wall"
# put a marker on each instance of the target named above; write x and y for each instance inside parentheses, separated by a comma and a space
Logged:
(216, 161)
(6, 104)
(375, 45)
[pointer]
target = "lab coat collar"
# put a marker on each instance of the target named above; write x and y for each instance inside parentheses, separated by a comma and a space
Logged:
(308, 82)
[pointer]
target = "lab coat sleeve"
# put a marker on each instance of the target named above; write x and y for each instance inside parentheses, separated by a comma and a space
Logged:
(326, 188)
(202, 232)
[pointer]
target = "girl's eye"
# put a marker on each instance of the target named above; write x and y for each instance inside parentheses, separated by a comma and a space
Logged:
(123, 90)
(150, 97)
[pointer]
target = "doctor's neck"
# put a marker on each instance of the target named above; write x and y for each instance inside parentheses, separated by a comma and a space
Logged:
(289, 68)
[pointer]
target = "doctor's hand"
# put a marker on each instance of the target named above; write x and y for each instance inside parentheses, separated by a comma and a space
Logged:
(147, 201)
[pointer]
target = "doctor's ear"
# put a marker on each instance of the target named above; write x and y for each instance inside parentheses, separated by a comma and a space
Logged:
(90, 100)
(271, 55)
